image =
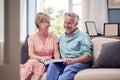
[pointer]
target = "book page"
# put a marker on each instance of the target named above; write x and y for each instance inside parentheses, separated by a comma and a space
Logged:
(52, 61)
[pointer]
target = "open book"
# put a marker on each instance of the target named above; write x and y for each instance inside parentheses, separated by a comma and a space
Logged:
(52, 61)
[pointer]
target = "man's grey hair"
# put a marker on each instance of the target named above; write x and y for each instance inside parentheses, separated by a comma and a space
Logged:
(76, 17)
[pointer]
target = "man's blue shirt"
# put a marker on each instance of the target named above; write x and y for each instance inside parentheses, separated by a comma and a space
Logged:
(76, 45)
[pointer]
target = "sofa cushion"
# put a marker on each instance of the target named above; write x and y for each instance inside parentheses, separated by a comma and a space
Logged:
(98, 74)
(97, 44)
(24, 51)
(109, 56)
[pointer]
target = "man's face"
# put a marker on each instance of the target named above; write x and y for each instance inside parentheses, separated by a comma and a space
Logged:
(69, 24)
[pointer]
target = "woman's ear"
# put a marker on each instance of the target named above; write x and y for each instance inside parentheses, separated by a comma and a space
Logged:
(39, 23)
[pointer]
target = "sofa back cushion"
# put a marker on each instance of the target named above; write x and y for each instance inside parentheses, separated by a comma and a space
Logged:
(97, 45)
(24, 51)
(109, 56)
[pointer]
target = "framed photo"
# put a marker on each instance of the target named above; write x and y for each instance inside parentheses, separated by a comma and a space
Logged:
(111, 29)
(114, 4)
(91, 28)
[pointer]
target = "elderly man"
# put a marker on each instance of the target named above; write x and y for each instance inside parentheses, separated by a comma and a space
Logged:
(75, 47)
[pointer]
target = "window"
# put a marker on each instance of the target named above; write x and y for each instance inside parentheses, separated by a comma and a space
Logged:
(54, 8)
(56, 11)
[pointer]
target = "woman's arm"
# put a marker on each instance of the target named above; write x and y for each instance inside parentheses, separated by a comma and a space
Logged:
(33, 56)
(31, 53)
(56, 51)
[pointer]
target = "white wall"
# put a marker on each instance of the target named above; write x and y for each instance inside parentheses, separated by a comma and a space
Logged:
(96, 10)
(1, 20)
(10, 69)
(1, 30)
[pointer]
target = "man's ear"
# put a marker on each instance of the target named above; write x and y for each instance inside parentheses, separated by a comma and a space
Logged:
(76, 24)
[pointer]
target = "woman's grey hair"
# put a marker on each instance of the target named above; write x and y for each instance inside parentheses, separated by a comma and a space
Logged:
(76, 17)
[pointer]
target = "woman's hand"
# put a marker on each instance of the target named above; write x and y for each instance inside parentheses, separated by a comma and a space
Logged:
(45, 58)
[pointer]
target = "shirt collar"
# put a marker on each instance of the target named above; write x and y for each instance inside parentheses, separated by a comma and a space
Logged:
(75, 32)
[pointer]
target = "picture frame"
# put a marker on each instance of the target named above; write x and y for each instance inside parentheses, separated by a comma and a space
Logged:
(91, 28)
(113, 4)
(111, 29)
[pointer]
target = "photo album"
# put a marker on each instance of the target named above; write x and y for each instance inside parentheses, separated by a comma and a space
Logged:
(51, 61)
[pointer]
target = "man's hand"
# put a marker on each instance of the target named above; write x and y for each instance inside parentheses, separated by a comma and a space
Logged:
(69, 61)
(83, 58)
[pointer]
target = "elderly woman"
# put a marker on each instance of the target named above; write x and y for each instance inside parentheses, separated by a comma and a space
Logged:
(42, 46)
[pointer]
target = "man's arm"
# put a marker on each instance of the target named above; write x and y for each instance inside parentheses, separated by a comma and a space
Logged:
(83, 58)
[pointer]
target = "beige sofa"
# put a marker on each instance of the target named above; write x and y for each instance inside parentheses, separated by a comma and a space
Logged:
(101, 73)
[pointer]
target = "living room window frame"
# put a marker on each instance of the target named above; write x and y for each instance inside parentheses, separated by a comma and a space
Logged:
(28, 26)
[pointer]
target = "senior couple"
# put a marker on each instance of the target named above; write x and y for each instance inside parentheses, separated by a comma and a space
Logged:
(74, 46)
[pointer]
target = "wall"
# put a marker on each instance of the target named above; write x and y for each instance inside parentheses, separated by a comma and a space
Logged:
(1, 29)
(96, 10)
(114, 17)
(1, 20)
(10, 69)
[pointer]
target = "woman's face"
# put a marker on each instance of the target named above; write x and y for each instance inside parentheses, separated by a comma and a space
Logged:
(44, 26)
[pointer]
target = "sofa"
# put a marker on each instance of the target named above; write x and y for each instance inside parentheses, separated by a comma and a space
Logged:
(98, 73)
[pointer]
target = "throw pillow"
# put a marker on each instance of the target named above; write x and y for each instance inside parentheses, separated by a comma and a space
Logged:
(109, 56)
(24, 51)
